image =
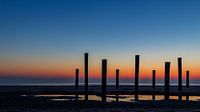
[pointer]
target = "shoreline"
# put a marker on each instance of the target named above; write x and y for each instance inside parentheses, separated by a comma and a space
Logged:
(96, 89)
(24, 98)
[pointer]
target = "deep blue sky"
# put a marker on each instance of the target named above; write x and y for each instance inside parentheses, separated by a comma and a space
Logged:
(26, 25)
(61, 30)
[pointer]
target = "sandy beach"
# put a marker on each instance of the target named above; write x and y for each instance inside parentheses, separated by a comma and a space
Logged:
(63, 99)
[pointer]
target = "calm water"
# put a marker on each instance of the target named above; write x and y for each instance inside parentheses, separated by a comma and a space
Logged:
(81, 84)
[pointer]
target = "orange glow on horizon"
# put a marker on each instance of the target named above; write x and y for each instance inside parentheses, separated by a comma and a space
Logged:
(59, 67)
(126, 73)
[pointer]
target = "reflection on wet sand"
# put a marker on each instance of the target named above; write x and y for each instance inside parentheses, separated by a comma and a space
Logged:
(112, 98)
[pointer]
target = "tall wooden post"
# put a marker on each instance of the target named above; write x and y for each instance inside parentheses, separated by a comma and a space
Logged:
(153, 83)
(137, 63)
(187, 79)
(76, 83)
(180, 74)
(187, 83)
(104, 79)
(167, 79)
(86, 76)
(154, 79)
(76, 79)
(117, 78)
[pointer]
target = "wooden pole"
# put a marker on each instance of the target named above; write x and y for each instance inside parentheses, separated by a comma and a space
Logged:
(187, 79)
(153, 83)
(180, 74)
(104, 79)
(167, 79)
(117, 78)
(77, 78)
(137, 64)
(86, 76)
(154, 79)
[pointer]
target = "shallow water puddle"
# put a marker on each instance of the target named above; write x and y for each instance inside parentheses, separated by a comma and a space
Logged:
(111, 98)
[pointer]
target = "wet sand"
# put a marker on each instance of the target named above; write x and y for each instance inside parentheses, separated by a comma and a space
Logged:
(23, 98)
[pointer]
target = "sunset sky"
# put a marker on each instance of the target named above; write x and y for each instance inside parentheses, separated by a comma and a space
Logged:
(44, 39)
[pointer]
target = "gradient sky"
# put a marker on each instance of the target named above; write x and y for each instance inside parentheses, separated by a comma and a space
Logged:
(47, 38)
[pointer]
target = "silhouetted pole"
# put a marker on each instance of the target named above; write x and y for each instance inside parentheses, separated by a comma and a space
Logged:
(76, 79)
(167, 79)
(86, 76)
(104, 80)
(187, 79)
(117, 78)
(153, 83)
(76, 82)
(180, 74)
(154, 79)
(187, 83)
(137, 62)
